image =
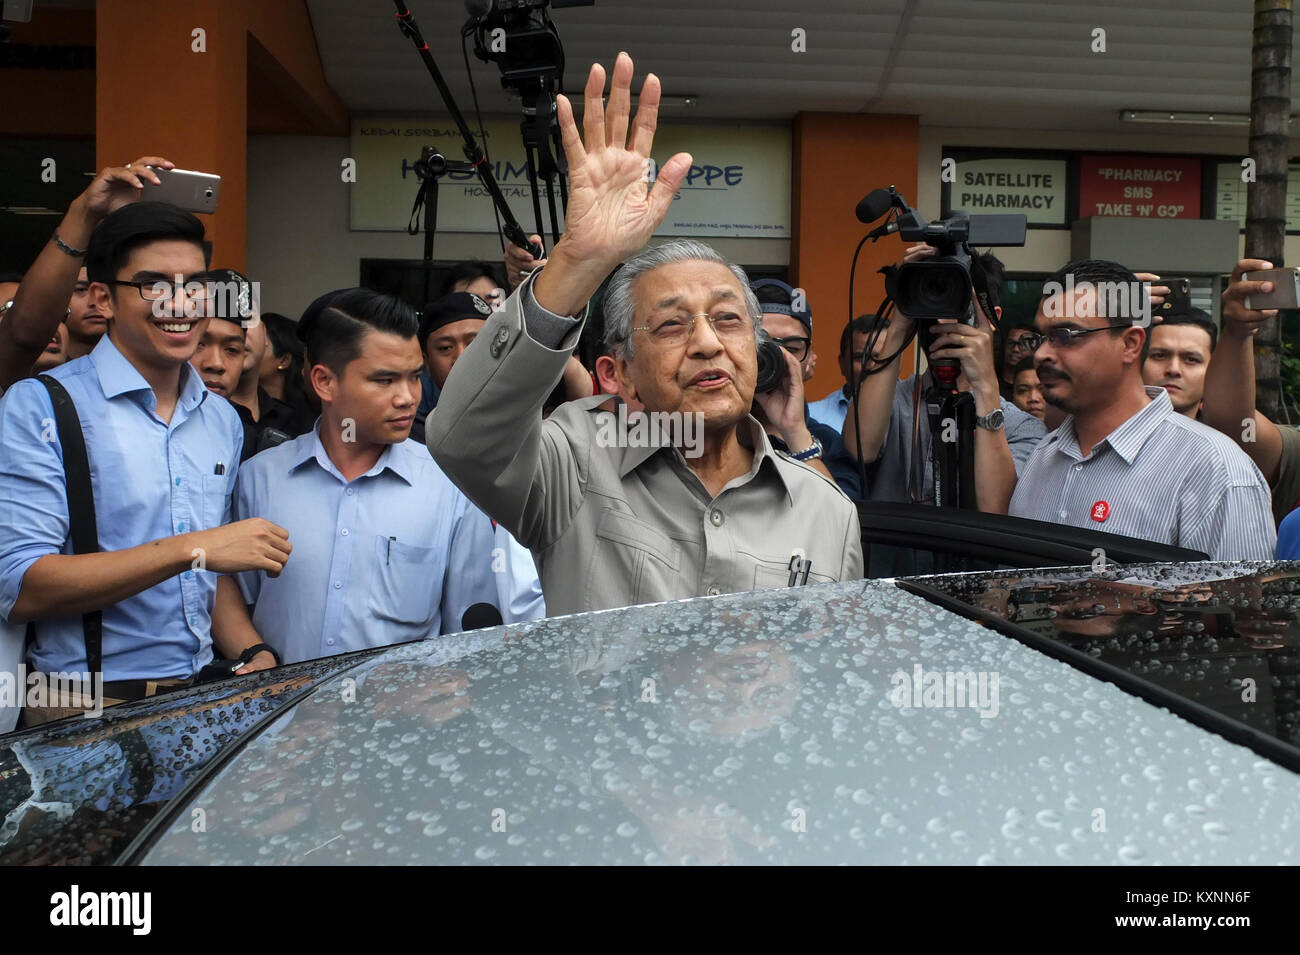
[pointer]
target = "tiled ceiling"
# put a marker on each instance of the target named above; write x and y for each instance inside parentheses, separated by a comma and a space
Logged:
(1004, 63)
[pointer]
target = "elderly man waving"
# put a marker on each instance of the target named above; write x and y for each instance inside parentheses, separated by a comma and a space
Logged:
(612, 519)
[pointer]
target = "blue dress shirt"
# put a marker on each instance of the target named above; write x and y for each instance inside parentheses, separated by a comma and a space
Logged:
(831, 410)
(397, 554)
(151, 480)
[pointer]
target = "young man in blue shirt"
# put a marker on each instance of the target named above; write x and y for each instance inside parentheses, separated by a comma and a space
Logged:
(386, 548)
(163, 457)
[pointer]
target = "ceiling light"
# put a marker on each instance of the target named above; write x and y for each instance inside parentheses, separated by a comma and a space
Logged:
(1185, 118)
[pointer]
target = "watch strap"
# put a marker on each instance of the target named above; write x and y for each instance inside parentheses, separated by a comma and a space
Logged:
(257, 648)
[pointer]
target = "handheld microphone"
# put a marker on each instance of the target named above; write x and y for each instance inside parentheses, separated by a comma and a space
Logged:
(481, 615)
(478, 9)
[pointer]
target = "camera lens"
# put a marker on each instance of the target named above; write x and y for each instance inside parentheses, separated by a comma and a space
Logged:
(771, 367)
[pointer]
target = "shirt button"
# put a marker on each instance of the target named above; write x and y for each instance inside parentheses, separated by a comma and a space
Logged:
(714, 591)
(178, 482)
(1062, 513)
(189, 574)
(716, 518)
(345, 532)
(1078, 467)
(338, 584)
(330, 642)
(351, 491)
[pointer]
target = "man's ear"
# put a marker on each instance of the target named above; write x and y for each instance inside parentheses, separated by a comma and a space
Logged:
(1134, 338)
(324, 381)
(623, 373)
(102, 296)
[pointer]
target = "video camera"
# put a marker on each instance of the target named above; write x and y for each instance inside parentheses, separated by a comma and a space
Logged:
(519, 36)
(939, 287)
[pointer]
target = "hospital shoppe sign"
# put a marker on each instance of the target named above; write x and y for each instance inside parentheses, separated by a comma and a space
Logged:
(738, 185)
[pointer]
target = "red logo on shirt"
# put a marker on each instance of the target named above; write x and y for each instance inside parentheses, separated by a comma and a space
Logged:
(1100, 511)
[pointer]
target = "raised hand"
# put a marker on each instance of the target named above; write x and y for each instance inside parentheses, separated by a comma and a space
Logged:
(1239, 320)
(117, 186)
(613, 206)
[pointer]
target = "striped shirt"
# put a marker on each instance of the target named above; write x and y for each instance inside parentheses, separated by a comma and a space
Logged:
(1160, 476)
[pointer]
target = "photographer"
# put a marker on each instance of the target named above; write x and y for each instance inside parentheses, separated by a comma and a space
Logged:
(892, 431)
(783, 411)
(617, 522)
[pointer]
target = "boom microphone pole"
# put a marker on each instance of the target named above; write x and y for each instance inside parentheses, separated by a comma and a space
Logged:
(473, 152)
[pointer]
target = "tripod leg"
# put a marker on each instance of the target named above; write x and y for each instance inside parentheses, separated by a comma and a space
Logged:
(966, 450)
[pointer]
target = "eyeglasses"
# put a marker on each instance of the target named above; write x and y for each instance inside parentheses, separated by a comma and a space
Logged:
(1061, 337)
(795, 345)
(677, 331)
(197, 289)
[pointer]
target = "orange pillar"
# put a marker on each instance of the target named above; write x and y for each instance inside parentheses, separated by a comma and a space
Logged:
(157, 93)
(838, 159)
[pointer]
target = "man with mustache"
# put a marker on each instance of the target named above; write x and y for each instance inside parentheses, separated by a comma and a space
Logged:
(1125, 461)
(612, 526)
(86, 321)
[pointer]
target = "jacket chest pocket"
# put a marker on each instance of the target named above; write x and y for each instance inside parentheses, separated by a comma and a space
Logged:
(635, 559)
(406, 585)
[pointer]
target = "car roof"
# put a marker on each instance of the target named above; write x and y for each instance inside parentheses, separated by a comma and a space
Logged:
(853, 722)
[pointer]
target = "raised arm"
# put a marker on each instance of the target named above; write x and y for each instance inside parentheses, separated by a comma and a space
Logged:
(1230, 378)
(42, 298)
(487, 431)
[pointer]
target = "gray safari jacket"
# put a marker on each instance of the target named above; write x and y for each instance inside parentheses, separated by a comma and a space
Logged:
(617, 526)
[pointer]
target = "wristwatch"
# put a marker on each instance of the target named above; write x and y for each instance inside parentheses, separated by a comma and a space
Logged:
(809, 453)
(991, 421)
(255, 649)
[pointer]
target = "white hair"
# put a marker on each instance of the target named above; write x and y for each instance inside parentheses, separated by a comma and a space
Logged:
(619, 305)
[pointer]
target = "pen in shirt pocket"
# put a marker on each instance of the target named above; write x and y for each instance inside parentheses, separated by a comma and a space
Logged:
(800, 567)
(220, 468)
(388, 558)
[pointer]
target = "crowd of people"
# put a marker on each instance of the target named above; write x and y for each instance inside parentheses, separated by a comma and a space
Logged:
(257, 489)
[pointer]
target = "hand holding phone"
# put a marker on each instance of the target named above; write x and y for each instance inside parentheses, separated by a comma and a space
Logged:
(1286, 289)
(189, 190)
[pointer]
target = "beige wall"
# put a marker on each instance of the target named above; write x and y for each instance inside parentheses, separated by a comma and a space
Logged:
(299, 243)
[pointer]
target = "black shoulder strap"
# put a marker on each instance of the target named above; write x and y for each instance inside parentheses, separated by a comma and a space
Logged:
(81, 505)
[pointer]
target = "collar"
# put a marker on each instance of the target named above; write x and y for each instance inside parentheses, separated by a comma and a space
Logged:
(117, 376)
(1126, 440)
(310, 448)
(633, 458)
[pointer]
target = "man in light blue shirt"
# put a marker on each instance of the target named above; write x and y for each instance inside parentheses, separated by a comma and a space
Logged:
(386, 548)
(163, 455)
(832, 409)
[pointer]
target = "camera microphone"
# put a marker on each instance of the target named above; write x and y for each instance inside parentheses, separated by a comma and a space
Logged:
(874, 205)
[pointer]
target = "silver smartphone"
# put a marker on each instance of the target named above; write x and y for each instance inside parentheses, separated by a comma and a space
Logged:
(191, 191)
(1286, 288)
